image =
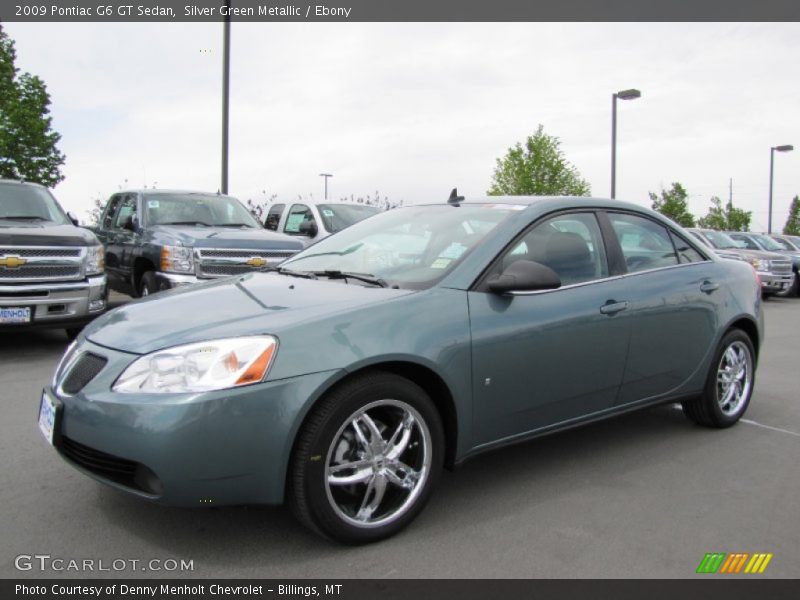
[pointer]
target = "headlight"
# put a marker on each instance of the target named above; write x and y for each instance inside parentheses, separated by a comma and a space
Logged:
(760, 264)
(95, 260)
(201, 367)
(177, 259)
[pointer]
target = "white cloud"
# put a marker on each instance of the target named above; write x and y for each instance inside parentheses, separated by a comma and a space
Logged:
(412, 110)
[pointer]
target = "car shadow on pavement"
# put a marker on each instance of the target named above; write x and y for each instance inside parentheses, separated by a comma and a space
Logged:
(265, 541)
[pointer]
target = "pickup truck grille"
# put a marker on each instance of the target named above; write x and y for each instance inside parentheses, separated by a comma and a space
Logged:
(40, 264)
(781, 267)
(221, 262)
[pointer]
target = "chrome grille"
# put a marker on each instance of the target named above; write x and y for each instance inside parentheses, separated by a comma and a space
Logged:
(38, 263)
(221, 262)
(781, 267)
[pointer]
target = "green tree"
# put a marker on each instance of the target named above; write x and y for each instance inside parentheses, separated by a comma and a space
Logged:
(792, 226)
(27, 141)
(725, 218)
(538, 168)
(672, 203)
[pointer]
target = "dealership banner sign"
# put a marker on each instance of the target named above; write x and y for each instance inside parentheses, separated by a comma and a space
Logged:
(391, 10)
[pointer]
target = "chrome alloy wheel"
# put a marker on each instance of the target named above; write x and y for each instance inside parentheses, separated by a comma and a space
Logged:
(734, 378)
(378, 463)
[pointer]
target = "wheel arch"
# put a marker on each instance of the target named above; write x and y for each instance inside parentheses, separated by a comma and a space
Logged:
(749, 326)
(424, 376)
(140, 266)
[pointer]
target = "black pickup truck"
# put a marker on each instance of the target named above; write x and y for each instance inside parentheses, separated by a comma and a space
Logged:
(51, 272)
(160, 239)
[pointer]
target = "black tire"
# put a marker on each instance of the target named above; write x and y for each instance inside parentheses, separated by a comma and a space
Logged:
(709, 409)
(148, 285)
(793, 290)
(73, 332)
(323, 442)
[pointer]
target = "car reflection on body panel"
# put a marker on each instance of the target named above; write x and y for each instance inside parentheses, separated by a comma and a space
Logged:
(343, 381)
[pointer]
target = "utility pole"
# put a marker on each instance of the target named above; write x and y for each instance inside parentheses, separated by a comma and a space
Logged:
(226, 85)
(730, 201)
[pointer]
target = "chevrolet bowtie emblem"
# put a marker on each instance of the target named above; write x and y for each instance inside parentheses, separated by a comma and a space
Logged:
(12, 262)
(256, 262)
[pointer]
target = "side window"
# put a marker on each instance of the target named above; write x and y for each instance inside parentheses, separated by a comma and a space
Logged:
(686, 254)
(298, 215)
(274, 216)
(645, 244)
(126, 212)
(111, 210)
(570, 244)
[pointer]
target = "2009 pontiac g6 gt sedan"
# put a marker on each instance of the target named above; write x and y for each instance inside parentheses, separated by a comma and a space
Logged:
(343, 381)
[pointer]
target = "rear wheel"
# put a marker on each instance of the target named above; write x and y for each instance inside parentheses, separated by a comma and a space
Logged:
(367, 459)
(729, 386)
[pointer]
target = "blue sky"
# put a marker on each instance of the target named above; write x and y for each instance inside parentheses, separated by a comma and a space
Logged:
(412, 110)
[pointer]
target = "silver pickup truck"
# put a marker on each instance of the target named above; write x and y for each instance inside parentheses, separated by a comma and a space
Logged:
(51, 271)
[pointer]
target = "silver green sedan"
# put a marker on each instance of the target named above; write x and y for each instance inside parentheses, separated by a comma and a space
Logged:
(343, 381)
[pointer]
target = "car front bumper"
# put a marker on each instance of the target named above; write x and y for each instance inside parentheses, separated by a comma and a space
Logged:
(775, 283)
(227, 447)
(57, 304)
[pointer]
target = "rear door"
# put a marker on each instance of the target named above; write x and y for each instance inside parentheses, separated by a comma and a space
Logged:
(673, 293)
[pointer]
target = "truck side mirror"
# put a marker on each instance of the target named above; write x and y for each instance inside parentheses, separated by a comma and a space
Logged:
(308, 228)
(73, 218)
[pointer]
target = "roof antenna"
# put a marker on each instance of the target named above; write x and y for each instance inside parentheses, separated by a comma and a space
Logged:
(454, 197)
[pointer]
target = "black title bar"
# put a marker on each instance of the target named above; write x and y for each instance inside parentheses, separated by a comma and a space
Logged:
(398, 10)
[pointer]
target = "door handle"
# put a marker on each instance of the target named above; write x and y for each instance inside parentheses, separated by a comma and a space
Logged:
(612, 308)
(708, 287)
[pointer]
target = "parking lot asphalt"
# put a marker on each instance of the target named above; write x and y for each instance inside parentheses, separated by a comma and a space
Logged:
(644, 495)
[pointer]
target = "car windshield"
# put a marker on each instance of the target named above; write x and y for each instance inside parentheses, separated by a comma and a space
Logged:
(198, 210)
(768, 243)
(721, 240)
(28, 203)
(340, 216)
(412, 247)
(785, 244)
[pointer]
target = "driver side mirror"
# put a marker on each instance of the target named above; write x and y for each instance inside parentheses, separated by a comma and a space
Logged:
(524, 276)
(308, 228)
(131, 224)
(73, 218)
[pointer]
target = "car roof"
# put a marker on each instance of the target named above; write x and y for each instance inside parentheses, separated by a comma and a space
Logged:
(165, 192)
(548, 202)
(19, 182)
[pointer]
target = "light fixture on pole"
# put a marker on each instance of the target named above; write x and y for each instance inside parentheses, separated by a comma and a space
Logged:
(623, 95)
(785, 148)
(326, 175)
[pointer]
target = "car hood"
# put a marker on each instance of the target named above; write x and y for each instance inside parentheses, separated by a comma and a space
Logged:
(45, 234)
(759, 254)
(227, 237)
(252, 304)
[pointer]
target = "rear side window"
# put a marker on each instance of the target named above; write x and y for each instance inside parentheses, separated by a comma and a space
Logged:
(274, 216)
(645, 244)
(686, 254)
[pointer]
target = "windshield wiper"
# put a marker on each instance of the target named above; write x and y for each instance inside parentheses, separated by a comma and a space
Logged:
(289, 272)
(365, 277)
(24, 218)
(344, 252)
(185, 223)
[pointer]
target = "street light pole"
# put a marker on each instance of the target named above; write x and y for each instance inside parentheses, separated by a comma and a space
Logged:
(226, 81)
(623, 95)
(784, 148)
(326, 176)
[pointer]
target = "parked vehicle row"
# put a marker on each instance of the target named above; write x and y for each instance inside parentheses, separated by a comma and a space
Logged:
(343, 381)
(311, 222)
(777, 265)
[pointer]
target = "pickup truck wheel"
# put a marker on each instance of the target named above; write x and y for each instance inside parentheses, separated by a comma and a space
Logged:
(367, 459)
(73, 332)
(729, 385)
(148, 285)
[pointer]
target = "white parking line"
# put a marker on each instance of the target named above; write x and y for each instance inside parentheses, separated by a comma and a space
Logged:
(749, 422)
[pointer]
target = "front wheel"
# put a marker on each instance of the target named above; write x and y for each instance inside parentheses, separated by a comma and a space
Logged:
(729, 386)
(149, 284)
(367, 459)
